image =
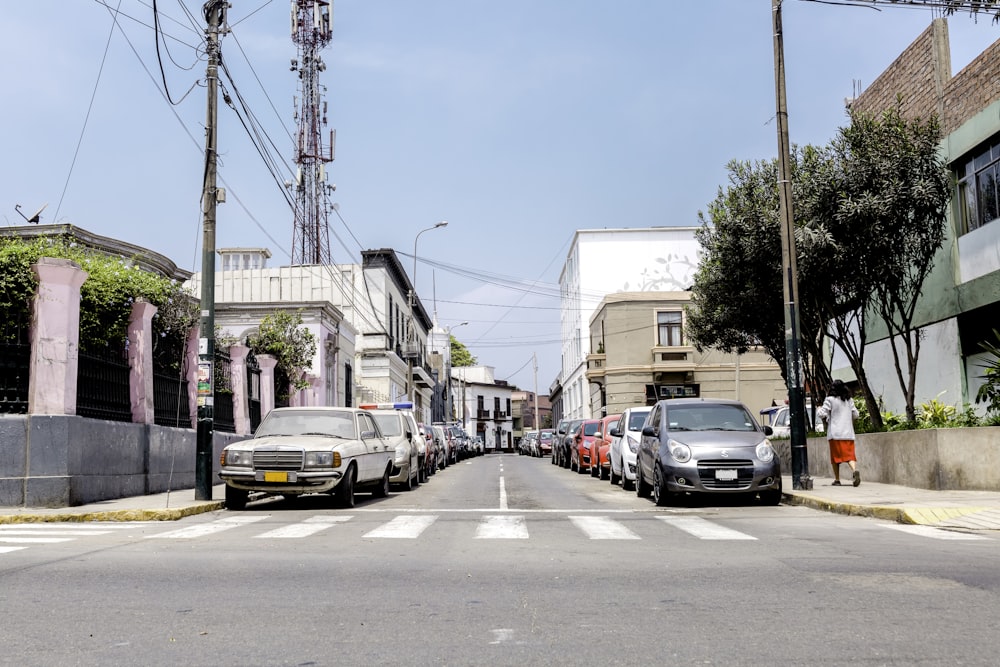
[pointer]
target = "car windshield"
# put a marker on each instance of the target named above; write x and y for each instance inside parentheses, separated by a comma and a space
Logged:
(591, 428)
(546, 436)
(335, 423)
(388, 424)
(781, 419)
(707, 417)
(636, 420)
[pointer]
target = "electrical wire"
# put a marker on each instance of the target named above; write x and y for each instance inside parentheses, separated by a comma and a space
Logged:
(90, 107)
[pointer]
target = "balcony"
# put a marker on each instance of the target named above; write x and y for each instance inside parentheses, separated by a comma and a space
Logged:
(500, 415)
(596, 367)
(679, 358)
(482, 414)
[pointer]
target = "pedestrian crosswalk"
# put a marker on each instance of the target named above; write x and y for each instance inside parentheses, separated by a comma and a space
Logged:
(372, 527)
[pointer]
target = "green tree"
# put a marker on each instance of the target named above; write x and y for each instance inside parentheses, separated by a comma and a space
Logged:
(281, 335)
(885, 206)
(460, 355)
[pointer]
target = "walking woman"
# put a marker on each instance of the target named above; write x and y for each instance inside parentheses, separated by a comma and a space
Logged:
(839, 413)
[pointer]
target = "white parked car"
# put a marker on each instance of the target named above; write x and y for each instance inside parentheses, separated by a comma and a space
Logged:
(625, 439)
(309, 450)
(398, 426)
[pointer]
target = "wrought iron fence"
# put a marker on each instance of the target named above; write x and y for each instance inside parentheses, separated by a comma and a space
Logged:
(223, 419)
(253, 391)
(102, 389)
(15, 371)
(170, 401)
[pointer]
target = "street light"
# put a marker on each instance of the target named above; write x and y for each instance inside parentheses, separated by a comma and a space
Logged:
(411, 352)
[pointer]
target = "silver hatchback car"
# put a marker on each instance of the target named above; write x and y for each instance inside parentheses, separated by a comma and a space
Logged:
(705, 445)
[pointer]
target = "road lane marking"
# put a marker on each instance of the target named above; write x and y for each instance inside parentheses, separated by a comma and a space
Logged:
(503, 495)
(932, 532)
(203, 529)
(704, 530)
(603, 528)
(305, 528)
(502, 528)
(35, 540)
(7, 550)
(403, 527)
(56, 531)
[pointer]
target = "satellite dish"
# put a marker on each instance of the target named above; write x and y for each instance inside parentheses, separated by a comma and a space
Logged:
(35, 217)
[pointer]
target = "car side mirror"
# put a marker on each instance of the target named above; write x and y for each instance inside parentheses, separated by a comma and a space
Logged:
(768, 430)
(649, 431)
(616, 432)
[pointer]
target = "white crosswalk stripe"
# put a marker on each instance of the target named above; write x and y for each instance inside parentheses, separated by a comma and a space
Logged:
(703, 529)
(7, 550)
(306, 528)
(403, 527)
(502, 528)
(203, 529)
(603, 528)
(932, 532)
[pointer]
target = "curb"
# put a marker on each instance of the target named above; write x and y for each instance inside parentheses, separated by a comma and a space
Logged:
(114, 515)
(919, 516)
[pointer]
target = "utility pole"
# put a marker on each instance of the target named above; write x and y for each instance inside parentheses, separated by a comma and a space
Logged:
(215, 11)
(534, 359)
(790, 278)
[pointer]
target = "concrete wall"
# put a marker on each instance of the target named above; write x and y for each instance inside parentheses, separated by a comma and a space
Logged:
(939, 459)
(66, 460)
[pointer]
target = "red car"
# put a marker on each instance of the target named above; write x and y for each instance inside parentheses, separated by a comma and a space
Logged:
(579, 456)
(545, 438)
(601, 463)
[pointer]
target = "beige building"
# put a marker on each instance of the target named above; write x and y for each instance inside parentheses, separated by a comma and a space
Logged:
(640, 354)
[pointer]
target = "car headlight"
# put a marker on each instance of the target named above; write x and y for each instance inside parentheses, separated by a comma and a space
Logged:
(237, 458)
(633, 445)
(680, 451)
(319, 459)
(764, 451)
(402, 452)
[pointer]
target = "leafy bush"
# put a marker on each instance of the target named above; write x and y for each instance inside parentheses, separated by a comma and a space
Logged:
(113, 284)
(990, 391)
(280, 335)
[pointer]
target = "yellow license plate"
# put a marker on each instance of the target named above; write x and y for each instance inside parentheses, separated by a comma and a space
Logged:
(275, 476)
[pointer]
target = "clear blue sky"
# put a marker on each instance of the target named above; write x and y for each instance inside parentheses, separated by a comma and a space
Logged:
(518, 122)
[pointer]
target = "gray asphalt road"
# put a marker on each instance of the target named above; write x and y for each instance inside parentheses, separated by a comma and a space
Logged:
(501, 560)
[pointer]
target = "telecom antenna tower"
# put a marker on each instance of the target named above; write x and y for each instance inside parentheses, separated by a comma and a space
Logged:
(312, 28)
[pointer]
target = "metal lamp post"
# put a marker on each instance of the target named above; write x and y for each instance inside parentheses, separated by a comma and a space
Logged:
(411, 353)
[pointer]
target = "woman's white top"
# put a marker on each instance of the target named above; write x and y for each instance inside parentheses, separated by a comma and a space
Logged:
(839, 416)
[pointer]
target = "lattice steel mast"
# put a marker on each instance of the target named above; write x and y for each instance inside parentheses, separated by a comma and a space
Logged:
(312, 28)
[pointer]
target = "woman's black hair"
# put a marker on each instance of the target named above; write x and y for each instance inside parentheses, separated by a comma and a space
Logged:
(840, 390)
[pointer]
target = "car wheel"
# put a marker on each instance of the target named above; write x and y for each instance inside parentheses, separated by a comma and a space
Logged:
(382, 490)
(770, 496)
(641, 488)
(595, 470)
(408, 484)
(344, 493)
(660, 494)
(236, 499)
(615, 478)
(627, 484)
(579, 467)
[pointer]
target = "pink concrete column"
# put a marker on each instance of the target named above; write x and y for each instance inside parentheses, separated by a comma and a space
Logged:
(140, 362)
(267, 364)
(191, 374)
(238, 380)
(55, 337)
(315, 389)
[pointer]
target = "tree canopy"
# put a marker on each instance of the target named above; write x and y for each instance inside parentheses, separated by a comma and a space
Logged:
(869, 213)
(460, 355)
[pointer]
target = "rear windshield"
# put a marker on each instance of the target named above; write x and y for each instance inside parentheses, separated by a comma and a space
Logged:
(636, 420)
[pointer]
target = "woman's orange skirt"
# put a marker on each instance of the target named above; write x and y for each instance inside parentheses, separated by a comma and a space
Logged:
(841, 451)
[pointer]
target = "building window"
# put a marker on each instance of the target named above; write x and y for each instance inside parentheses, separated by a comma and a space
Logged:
(669, 330)
(978, 175)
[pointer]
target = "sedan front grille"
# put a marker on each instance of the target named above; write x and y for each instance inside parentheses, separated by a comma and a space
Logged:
(278, 459)
(744, 473)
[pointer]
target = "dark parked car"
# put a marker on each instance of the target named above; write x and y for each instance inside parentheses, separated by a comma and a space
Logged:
(705, 446)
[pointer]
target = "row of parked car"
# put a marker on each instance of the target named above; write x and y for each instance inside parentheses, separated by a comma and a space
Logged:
(670, 449)
(296, 451)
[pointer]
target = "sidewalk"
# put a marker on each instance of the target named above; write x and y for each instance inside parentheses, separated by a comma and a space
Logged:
(959, 510)
(156, 507)
(962, 510)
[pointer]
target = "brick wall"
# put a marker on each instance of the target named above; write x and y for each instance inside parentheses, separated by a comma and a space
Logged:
(921, 75)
